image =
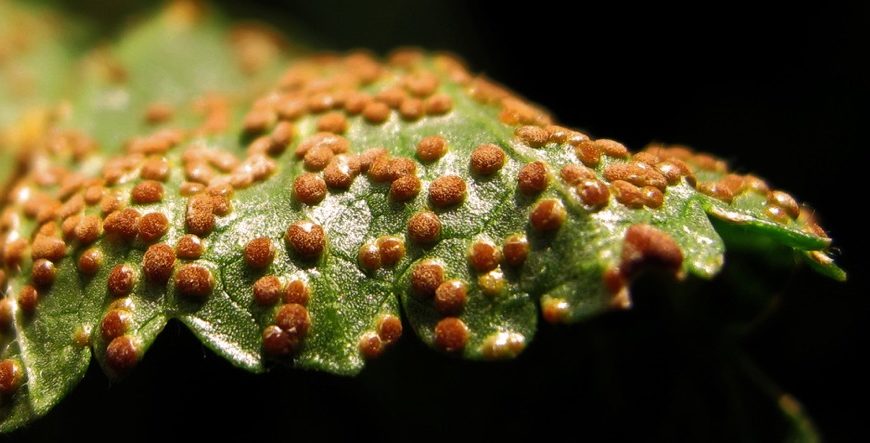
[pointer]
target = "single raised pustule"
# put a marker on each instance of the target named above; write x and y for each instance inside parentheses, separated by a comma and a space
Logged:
(298, 209)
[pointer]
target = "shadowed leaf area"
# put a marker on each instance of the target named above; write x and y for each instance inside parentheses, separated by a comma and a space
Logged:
(306, 210)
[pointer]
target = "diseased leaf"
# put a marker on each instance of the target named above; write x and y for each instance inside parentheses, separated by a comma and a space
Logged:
(291, 216)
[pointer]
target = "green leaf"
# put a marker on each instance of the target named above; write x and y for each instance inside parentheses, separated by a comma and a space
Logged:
(327, 200)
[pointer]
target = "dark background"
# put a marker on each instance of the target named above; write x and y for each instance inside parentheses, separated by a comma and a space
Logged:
(780, 91)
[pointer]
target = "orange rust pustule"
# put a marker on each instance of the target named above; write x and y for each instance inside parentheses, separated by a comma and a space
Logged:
(189, 247)
(369, 256)
(90, 261)
(156, 168)
(533, 178)
(555, 310)
(43, 273)
(515, 250)
(194, 282)
(426, 277)
(157, 263)
(612, 148)
(391, 250)
(28, 298)
(487, 159)
(307, 239)
(122, 354)
(259, 253)
(636, 173)
(438, 104)
(297, 292)
(533, 136)
(11, 376)
(424, 227)
(379, 169)
(121, 280)
(356, 102)
(484, 256)
(593, 193)
(573, 174)
(451, 334)
(317, 158)
(450, 297)
(277, 342)
(370, 345)
(411, 109)
(199, 218)
(13, 252)
(115, 323)
(716, 190)
(645, 244)
(293, 319)
(431, 148)
(389, 328)
(399, 167)
(405, 188)
(148, 191)
(786, 202)
(47, 247)
(421, 84)
(152, 227)
(333, 122)
(548, 215)
(776, 213)
(110, 202)
(88, 229)
(376, 112)
(281, 136)
(268, 290)
(628, 194)
(93, 194)
(652, 197)
(447, 190)
(309, 189)
(588, 152)
(336, 143)
(6, 313)
(341, 172)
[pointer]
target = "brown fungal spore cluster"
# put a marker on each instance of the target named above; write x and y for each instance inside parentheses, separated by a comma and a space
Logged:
(337, 129)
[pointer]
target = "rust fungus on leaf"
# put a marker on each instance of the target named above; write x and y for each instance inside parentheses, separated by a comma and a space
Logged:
(431, 148)
(115, 323)
(277, 342)
(486, 159)
(189, 247)
(309, 189)
(426, 277)
(267, 290)
(158, 262)
(306, 239)
(194, 282)
(447, 190)
(450, 297)
(152, 227)
(121, 280)
(259, 253)
(533, 178)
(424, 227)
(11, 376)
(451, 334)
(122, 354)
(548, 215)
(297, 292)
(645, 244)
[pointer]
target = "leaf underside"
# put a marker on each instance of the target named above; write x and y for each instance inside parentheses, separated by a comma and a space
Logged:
(476, 212)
